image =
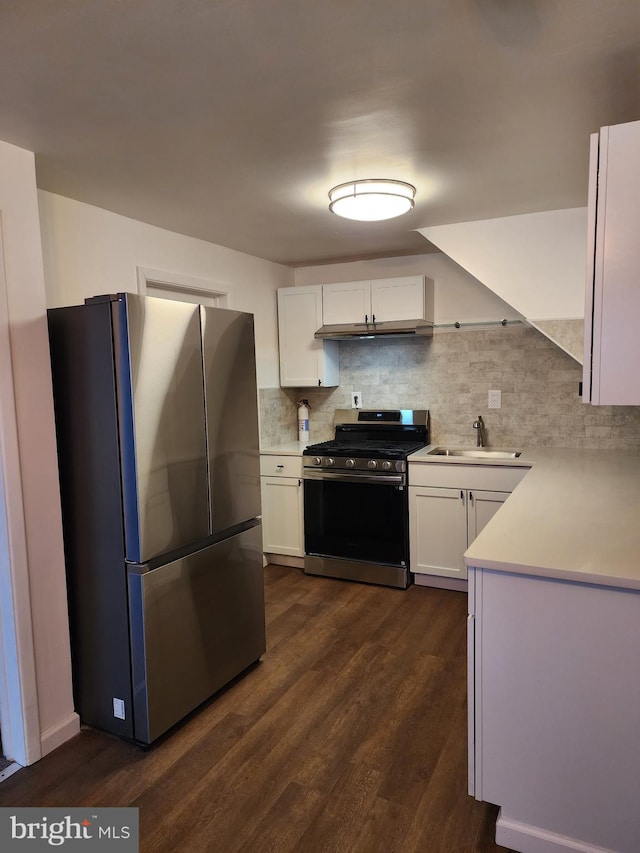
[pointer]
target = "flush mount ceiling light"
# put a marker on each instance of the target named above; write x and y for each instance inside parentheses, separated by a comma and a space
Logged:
(372, 200)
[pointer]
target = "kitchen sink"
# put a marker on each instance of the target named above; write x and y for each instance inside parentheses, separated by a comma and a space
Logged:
(479, 453)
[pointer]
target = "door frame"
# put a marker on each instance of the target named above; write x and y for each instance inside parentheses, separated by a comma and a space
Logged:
(187, 288)
(19, 717)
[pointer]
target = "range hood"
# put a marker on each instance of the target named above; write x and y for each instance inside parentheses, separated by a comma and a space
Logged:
(391, 329)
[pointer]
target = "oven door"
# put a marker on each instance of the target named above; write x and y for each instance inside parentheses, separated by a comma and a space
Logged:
(356, 517)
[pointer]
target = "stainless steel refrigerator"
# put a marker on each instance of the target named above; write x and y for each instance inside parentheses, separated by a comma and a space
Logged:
(157, 429)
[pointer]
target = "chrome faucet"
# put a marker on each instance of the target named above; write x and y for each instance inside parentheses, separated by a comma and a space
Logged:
(479, 425)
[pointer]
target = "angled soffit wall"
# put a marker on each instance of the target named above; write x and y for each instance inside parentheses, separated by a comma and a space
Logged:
(536, 262)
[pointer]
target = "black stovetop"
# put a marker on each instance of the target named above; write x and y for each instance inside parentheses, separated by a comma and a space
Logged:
(375, 434)
(364, 448)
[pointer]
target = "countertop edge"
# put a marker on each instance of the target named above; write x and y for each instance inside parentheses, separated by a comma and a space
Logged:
(289, 448)
(572, 518)
(554, 573)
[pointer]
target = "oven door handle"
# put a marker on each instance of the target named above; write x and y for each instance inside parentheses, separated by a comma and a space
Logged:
(339, 477)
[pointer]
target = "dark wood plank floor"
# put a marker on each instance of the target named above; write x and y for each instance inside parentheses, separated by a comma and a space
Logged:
(349, 736)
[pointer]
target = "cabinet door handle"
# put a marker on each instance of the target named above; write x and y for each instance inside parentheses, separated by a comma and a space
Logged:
(461, 495)
(299, 482)
(280, 466)
(366, 318)
(373, 318)
(319, 382)
(471, 496)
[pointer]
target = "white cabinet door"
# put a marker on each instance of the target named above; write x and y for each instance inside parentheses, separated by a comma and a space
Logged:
(447, 511)
(556, 710)
(282, 516)
(304, 361)
(438, 531)
(398, 298)
(443, 523)
(381, 300)
(481, 507)
(346, 302)
(612, 343)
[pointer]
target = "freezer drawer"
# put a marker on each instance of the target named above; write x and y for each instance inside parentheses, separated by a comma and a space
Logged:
(196, 623)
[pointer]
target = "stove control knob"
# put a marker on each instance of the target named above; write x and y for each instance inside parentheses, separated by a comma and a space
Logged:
(317, 460)
(372, 463)
(329, 461)
(350, 463)
(386, 466)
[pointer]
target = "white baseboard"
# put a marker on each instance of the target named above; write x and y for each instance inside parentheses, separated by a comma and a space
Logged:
(457, 584)
(284, 560)
(54, 736)
(532, 839)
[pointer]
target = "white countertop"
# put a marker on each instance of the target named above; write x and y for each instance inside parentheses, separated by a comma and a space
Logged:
(290, 448)
(575, 516)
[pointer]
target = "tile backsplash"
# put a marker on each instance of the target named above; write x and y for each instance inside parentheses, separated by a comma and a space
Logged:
(278, 415)
(450, 374)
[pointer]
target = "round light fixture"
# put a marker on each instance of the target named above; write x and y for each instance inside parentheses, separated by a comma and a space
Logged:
(372, 200)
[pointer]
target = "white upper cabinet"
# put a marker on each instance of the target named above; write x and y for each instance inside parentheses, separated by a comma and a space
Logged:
(612, 342)
(378, 301)
(304, 361)
(346, 302)
(398, 299)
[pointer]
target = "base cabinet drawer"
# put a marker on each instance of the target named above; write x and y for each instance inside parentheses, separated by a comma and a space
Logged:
(280, 466)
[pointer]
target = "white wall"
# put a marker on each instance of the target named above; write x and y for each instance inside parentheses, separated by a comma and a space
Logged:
(32, 559)
(458, 296)
(86, 251)
(535, 262)
(89, 251)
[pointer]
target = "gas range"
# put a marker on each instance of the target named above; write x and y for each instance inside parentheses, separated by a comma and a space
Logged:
(356, 511)
(373, 441)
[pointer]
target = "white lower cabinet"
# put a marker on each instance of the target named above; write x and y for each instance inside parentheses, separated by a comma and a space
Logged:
(446, 515)
(282, 505)
(443, 523)
(554, 704)
(438, 531)
(481, 507)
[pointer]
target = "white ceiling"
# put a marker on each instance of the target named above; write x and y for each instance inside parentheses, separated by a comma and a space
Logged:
(229, 120)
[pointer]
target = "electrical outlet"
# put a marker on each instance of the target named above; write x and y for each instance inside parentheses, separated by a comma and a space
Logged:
(118, 708)
(356, 400)
(495, 400)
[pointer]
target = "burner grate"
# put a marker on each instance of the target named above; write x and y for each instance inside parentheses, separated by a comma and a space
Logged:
(372, 449)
